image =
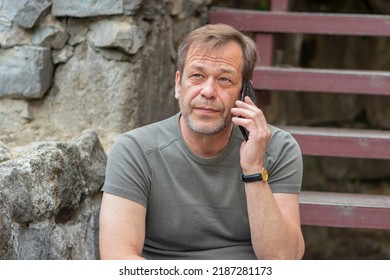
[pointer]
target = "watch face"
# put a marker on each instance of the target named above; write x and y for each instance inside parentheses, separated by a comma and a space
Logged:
(264, 174)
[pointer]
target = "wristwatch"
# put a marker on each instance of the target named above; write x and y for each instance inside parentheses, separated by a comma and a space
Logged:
(262, 176)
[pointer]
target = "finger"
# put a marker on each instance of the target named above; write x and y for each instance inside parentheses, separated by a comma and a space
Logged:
(249, 111)
(241, 122)
(243, 104)
(249, 101)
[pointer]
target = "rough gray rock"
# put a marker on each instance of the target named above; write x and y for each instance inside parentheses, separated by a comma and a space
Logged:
(87, 8)
(50, 37)
(25, 72)
(50, 200)
(131, 6)
(29, 15)
(5, 153)
(9, 10)
(112, 34)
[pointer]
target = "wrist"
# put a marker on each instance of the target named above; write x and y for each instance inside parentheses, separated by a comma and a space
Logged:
(252, 169)
(261, 175)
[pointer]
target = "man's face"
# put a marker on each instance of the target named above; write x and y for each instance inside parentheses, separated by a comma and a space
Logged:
(210, 85)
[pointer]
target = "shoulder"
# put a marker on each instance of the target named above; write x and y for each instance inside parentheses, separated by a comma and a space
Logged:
(281, 141)
(150, 137)
(278, 134)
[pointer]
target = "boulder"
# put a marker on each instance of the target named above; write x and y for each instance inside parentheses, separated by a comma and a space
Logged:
(50, 200)
(25, 72)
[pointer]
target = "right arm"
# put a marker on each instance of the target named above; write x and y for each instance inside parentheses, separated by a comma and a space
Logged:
(122, 228)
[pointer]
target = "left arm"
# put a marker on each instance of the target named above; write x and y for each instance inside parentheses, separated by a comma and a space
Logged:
(273, 217)
(274, 223)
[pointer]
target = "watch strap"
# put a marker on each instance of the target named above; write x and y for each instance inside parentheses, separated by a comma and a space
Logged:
(251, 178)
(261, 176)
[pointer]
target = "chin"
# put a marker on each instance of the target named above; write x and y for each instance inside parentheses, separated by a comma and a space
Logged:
(206, 125)
(208, 129)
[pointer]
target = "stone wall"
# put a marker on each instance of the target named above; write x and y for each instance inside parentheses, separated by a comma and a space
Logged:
(67, 66)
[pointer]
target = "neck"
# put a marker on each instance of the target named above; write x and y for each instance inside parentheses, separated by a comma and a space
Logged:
(204, 145)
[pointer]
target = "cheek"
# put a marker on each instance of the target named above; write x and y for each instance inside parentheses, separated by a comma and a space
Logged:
(229, 102)
(183, 98)
(188, 93)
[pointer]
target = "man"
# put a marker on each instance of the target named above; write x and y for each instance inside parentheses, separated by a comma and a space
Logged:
(175, 190)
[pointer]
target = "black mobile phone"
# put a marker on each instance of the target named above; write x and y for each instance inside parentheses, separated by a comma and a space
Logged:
(247, 90)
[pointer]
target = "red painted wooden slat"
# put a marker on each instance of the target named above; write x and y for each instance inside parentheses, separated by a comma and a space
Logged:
(265, 47)
(337, 142)
(298, 22)
(279, 5)
(345, 210)
(319, 80)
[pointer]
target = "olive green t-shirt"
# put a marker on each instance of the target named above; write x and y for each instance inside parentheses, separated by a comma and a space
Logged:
(196, 207)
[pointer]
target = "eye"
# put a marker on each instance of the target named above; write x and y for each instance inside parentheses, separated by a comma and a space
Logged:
(197, 75)
(225, 81)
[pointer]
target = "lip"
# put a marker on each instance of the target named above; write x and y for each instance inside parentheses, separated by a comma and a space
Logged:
(206, 110)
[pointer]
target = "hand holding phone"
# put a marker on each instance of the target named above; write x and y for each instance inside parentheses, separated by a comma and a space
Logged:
(247, 90)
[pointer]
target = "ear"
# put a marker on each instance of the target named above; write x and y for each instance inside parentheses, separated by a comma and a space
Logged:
(177, 85)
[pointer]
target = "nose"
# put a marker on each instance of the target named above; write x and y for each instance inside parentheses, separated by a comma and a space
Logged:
(209, 89)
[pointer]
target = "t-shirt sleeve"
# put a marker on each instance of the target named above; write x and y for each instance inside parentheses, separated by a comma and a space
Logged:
(284, 163)
(128, 172)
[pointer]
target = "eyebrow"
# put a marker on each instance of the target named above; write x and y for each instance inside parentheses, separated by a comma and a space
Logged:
(220, 69)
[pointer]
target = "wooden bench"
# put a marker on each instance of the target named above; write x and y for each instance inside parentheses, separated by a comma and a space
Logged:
(323, 208)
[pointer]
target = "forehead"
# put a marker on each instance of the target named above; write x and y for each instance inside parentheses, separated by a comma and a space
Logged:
(229, 55)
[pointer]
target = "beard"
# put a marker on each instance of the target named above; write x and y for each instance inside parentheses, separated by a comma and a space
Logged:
(204, 125)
